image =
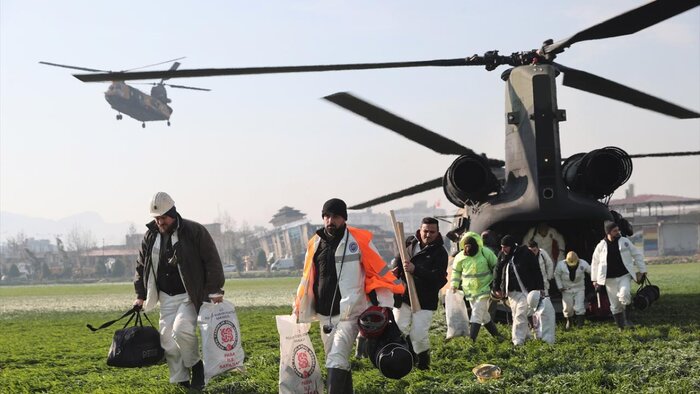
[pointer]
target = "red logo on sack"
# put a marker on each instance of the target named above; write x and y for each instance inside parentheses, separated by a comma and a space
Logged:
(303, 361)
(226, 335)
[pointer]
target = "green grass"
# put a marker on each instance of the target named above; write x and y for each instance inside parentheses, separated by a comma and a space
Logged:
(42, 351)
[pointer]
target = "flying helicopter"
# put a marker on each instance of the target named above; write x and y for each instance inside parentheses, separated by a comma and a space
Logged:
(533, 184)
(128, 100)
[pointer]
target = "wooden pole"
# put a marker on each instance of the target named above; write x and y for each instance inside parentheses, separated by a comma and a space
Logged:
(401, 245)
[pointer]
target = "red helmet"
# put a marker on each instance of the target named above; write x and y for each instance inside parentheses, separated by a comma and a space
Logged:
(373, 321)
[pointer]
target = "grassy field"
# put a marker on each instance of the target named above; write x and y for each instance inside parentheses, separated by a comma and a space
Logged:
(45, 347)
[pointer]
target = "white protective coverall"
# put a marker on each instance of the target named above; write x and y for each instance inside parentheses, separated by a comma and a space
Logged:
(547, 241)
(618, 289)
(572, 292)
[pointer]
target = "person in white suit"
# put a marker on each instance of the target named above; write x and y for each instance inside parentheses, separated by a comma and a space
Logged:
(616, 261)
(569, 275)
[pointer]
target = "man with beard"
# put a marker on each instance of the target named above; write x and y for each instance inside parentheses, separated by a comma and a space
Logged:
(517, 274)
(178, 266)
(343, 273)
(615, 260)
(428, 265)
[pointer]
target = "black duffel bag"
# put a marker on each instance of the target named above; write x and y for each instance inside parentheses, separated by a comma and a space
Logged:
(135, 346)
(646, 294)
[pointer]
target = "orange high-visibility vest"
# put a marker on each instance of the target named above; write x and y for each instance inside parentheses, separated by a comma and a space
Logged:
(361, 271)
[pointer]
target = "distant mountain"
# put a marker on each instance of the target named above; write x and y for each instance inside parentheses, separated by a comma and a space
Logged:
(41, 228)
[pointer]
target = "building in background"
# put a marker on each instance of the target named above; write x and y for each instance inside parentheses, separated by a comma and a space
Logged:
(663, 225)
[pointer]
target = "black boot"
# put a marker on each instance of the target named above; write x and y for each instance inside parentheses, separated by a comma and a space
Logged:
(491, 328)
(568, 324)
(628, 324)
(197, 382)
(423, 360)
(339, 381)
(474, 331)
(619, 320)
(579, 321)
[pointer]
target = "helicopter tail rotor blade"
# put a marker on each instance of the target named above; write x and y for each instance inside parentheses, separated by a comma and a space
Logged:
(172, 68)
(425, 186)
(591, 83)
(153, 65)
(187, 87)
(213, 72)
(627, 23)
(408, 129)
(74, 67)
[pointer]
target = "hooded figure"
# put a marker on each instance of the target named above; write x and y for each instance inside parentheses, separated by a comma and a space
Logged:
(474, 266)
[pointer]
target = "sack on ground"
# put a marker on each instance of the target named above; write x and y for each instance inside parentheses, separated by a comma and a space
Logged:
(544, 321)
(222, 348)
(300, 371)
(456, 315)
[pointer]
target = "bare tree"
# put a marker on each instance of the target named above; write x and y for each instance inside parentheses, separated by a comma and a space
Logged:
(79, 241)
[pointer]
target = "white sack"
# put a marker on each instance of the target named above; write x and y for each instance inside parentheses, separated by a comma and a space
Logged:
(456, 314)
(300, 371)
(543, 321)
(222, 349)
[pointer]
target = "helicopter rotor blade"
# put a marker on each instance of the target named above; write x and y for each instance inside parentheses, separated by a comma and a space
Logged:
(591, 83)
(627, 23)
(74, 67)
(665, 154)
(425, 186)
(187, 87)
(407, 129)
(152, 65)
(212, 72)
(659, 154)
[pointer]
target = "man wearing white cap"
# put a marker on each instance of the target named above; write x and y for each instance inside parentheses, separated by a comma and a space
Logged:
(179, 266)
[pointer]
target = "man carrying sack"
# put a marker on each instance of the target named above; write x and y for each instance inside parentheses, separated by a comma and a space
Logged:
(343, 273)
(178, 266)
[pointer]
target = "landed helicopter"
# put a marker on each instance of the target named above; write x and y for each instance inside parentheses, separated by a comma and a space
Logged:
(128, 100)
(534, 184)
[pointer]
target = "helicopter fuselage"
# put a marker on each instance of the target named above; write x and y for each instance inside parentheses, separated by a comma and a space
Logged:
(135, 103)
(534, 190)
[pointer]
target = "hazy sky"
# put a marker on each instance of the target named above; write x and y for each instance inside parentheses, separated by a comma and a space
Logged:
(256, 143)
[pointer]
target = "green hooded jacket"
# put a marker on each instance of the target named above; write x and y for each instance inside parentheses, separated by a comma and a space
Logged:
(475, 272)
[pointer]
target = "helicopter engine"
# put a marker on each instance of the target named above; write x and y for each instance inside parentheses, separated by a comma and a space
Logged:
(469, 179)
(597, 173)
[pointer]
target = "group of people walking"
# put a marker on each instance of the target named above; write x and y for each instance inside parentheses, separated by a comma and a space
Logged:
(343, 275)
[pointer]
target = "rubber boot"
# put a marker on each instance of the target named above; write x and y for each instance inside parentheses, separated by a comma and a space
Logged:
(628, 324)
(361, 349)
(491, 328)
(474, 331)
(423, 360)
(568, 324)
(579, 321)
(339, 381)
(619, 320)
(197, 382)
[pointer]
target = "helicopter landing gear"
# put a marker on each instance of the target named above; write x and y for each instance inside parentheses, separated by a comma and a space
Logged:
(168, 123)
(119, 116)
(143, 125)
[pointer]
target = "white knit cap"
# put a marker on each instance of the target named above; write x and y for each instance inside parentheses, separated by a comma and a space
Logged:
(161, 203)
